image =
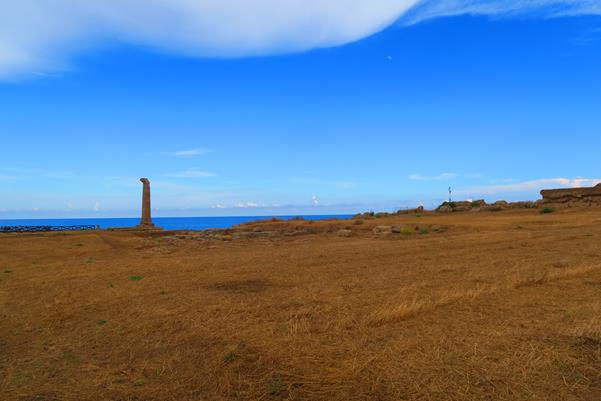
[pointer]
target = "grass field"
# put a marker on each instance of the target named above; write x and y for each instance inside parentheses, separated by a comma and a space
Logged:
(465, 306)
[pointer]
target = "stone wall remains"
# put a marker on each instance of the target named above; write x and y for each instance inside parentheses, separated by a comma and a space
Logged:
(572, 197)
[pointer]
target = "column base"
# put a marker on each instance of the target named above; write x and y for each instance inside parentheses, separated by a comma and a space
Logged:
(148, 227)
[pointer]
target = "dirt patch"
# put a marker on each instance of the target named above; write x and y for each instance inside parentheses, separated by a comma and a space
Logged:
(587, 342)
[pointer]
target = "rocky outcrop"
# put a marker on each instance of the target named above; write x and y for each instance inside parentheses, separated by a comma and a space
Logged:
(523, 205)
(572, 197)
(482, 206)
(498, 206)
(448, 207)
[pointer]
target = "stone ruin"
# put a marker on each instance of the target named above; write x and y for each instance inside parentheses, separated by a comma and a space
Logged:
(146, 220)
(572, 197)
(553, 198)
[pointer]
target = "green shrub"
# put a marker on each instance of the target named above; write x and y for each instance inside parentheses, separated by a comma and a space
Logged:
(547, 210)
(276, 386)
(407, 231)
(229, 357)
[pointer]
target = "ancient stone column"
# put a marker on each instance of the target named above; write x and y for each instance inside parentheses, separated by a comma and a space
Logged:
(146, 221)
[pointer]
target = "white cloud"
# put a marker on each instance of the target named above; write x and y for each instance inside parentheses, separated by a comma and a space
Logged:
(37, 36)
(247, 205)
(532, 186)
(191, 174)
(315, 200)
(97, 206)
(440, 177)
(190, 153)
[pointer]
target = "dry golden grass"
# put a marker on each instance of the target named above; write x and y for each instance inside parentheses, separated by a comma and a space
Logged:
(415, 307)
(475, 306)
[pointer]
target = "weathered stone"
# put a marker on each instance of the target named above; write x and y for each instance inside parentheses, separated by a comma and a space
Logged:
(445, 209)
(382, 230)
(344, 233)
(572, 197)
(145, 221)
(478, 203)
(493, 208)
(417, 210)
(523, 205)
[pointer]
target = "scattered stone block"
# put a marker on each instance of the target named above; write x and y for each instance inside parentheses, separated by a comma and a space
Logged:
(382, 230)
(344, 233)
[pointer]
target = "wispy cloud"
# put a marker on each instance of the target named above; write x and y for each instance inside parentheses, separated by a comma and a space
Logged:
(345, 184)
(589, 36)
(440, 177)
(532, 186)
(427, 9)
(191, 174)
(13, 173)
(190, 152)
(315, 181)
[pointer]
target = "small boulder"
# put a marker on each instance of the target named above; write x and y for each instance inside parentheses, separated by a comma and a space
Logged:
(493, 208)
(478, 203)
(445, 209)
(523, 205)
(344, 233)
(382, 230)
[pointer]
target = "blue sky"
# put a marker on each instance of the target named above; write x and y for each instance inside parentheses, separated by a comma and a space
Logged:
(497, 104)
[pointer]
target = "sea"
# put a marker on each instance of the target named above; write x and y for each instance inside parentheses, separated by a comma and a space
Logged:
(168, 223)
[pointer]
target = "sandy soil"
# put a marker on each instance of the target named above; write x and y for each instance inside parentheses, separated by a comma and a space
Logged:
(468, 306)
